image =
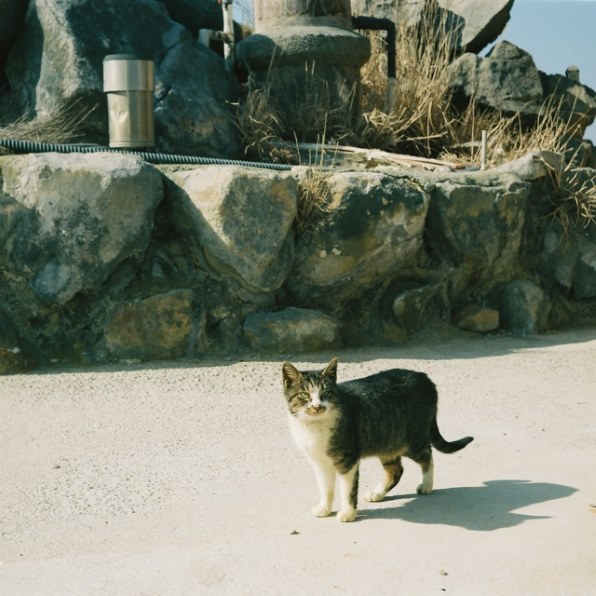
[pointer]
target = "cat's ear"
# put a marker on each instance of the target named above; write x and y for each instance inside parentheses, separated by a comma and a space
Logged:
(330, 371)
(290, 374)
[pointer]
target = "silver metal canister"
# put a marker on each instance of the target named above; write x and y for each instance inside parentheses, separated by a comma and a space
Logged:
(129, 83)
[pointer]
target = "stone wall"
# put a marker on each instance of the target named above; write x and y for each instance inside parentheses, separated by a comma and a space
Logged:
(106, 258)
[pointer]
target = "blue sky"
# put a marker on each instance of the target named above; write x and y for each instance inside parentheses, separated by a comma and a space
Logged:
(557, 33)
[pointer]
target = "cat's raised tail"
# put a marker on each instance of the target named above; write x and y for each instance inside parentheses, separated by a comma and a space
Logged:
(438, 442)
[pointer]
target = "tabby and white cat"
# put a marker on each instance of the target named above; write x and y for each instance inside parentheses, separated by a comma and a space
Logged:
(388, 415)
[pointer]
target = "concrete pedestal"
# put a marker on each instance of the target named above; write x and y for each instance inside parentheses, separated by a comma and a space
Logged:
(301, 47)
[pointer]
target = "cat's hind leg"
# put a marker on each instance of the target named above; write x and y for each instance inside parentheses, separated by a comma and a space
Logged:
(393, 471)
(425, 461)
(348, 484)
(325, 475)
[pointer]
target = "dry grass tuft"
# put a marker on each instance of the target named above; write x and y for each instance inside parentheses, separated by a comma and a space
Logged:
(303, 110)
(575, 205)
(417, 122)
(313, 200)
(421, 121)
(64, 125)
(259, 125)
(508, 137)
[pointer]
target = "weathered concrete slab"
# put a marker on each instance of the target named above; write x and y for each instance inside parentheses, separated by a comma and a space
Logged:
(184, 480)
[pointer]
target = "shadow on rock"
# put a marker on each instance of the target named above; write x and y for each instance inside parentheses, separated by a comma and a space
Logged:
(479, 508)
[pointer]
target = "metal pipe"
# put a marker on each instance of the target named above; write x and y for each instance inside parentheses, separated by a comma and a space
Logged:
(375, 24)
(22, 146)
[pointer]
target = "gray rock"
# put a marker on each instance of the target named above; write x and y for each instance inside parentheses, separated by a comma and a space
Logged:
(559, 257)
(584, 285)
(410, 307)
(56, 64)
(477, 318)
(373, 228)
(475, 224)
(15, 354)
(475, 23)
(483, 21)
(67, 222)
(205, 14)
(524, 308)
(12, 12)
(239, 221)
(506, 80)
(193, 94)
(291, 330)
(534, 166)
(568, 256)
(157, 328)
(576, 102)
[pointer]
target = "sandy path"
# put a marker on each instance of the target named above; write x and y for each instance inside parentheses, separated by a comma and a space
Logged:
(183, 479)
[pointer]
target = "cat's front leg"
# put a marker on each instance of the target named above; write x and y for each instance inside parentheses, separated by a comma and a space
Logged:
(348, 484)
(325, 475)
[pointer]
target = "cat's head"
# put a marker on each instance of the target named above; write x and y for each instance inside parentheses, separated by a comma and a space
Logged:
(310, 394)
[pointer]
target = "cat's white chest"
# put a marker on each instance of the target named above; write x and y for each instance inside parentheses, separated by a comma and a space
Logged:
(312, 437)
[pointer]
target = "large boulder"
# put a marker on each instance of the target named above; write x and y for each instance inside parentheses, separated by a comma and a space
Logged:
(238, 221)
(524, 308)
(475, 226)
(576, 102)
(473, 23)
(373, 229)
(507, 80)
(56, 63)
(568, 260)
(483, 21)
(195, 15)
(12, 12)
(67, 222)
(291, 330)
(155, 328)
(477, 318)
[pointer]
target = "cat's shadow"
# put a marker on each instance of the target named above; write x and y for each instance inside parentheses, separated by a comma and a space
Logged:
(479, 508)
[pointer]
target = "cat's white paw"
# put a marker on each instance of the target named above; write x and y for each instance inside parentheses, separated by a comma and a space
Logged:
(424, 489)
(321, 510)
(347, 515)
(374, 497)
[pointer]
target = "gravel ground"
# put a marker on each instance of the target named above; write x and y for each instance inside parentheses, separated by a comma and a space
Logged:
(181, 479)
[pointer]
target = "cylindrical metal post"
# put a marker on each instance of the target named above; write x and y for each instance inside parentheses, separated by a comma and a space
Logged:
(129, 83)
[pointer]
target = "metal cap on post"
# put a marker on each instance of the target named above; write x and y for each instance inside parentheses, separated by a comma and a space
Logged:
(129, 83)
(572, 72)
